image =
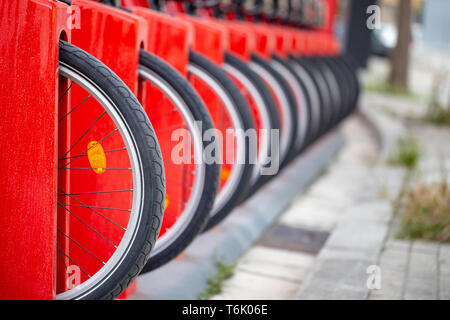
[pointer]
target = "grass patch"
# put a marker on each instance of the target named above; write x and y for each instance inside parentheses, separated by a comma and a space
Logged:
(406, 154)
(385, 88)
(437, 114)
(223, 272)
(424, 212)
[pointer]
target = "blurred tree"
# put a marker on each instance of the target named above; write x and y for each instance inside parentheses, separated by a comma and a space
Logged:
(400, 56)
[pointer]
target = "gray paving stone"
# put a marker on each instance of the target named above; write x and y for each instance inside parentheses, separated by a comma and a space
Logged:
(420, 290)
(444, 256)
(444, 286)
(423, 265)
(397, 245)
(354, 245)
(392, 280)
(250, 286)
(422, 272)
(278, 256)
(280, 264)
(363, 227)
(391, 287)
(312, 213)
(395, 258)
(336, 279)
(426, 247)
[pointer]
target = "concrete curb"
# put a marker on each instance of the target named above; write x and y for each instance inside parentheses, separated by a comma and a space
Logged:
(383, 128)
(186, 277)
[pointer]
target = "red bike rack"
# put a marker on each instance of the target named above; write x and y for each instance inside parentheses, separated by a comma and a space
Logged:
(239, 41)
(28, 126)
(330, 8)
(169, 38)
(28, 122)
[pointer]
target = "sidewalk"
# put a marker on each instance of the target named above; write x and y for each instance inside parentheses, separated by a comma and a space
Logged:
(417, 269)
(340, 233)
(279, 263)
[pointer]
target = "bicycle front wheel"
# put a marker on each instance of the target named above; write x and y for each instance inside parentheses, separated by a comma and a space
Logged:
(111, 182)
(181, 123)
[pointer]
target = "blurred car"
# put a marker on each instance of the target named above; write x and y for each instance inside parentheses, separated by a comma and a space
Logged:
(384, 40)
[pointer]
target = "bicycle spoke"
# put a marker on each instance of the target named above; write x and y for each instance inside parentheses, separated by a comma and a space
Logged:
(85, 155)
(93, 168)
(178, 168)
(179, 202)
(87, 225)
(74, 108)
(169, 149)
(178, 184)
(65, 92)
(96, 192)
(105, 208)
(64, 260)
(63, 253)
(154, 107)
(86, 132)
(84, 152)
(176, 126)
(93, 255)
(90, 208)
(164, 114)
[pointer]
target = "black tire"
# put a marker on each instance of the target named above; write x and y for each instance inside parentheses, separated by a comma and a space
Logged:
(211, 182)
(150, 155)
(316, 98)
(236, 63)
(290, 104)
(240, 105)
(326, 116)
(303, 101)
(335, 87)
(344, 81)
(348, 63)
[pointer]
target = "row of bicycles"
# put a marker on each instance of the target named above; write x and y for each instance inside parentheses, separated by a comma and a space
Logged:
(158, 144)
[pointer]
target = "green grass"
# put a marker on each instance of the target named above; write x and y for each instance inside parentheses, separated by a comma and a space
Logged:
(424, 212)
(223, 272)
(385, 88)
(406, 154)
(437, 114)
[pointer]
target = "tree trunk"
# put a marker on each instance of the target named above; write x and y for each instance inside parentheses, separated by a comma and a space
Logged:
(400, 56)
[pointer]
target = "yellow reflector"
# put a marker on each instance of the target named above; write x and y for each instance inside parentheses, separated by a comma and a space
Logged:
(96, 156)
(224, 174)
(166, 202)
